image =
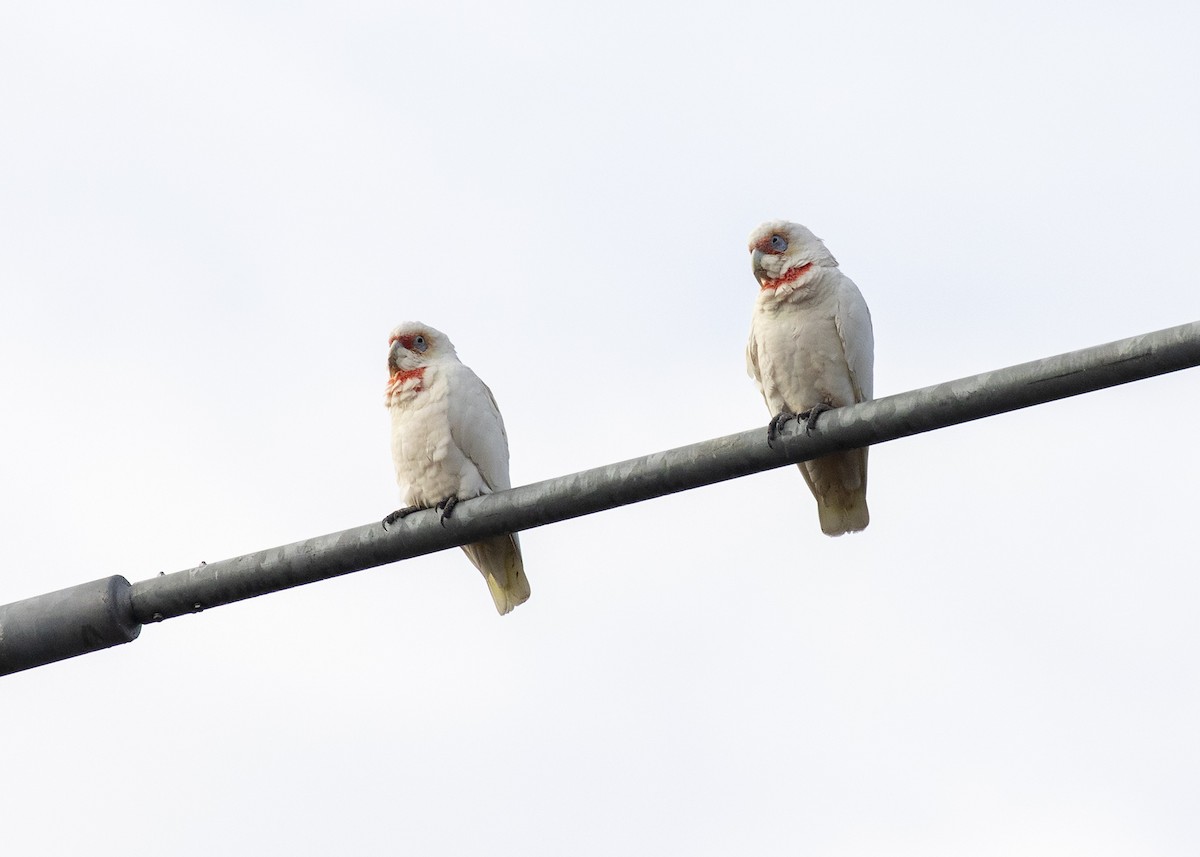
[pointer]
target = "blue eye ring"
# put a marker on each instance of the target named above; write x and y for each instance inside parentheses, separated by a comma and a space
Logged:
(778, 244)
(419, 343)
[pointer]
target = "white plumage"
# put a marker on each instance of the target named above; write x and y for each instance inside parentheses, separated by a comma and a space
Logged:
(449, 444)
(811, 346)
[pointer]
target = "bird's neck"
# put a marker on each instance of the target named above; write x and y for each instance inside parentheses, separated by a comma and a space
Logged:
(404, 383)
(789, 276)
(806, 286)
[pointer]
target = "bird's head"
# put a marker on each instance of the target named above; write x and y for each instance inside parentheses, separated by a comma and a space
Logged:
(782, 253)
(413, 346)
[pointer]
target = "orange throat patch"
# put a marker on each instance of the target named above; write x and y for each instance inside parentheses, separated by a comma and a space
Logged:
(399, 379)
(790, 277)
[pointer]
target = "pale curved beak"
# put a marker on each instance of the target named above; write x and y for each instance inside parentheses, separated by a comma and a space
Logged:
(760, 273)
(394, 356)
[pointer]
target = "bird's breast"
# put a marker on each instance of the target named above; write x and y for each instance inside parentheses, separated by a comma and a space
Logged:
(800, 359)
(427, 461)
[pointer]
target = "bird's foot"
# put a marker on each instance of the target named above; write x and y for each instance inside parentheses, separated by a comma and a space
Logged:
(446, 507)
(776, 424)
(395, 516)
(810, 417)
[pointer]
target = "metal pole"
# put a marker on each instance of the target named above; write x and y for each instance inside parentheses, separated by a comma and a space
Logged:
(66, 623)
(655, 475)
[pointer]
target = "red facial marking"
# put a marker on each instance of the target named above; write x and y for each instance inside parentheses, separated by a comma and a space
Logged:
(407, 340)
(763, 244)
(402, 376)
(790, 277)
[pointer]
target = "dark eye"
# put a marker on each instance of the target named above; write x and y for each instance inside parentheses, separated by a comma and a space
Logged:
(778, 244)
(419, 343)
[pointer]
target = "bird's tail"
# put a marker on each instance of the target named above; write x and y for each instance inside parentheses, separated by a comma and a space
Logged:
(499, 560)
(839, 483)
(848, 517)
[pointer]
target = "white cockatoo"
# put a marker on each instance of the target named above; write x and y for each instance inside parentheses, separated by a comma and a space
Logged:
(449, 444)
(811, 349)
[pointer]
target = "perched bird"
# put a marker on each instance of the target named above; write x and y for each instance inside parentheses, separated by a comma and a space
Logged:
(449, 444)
(811, 349)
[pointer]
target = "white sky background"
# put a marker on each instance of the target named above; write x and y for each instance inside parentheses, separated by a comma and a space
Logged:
(210, 219)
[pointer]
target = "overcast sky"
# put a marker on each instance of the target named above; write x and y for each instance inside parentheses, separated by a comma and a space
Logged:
(211, 216)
